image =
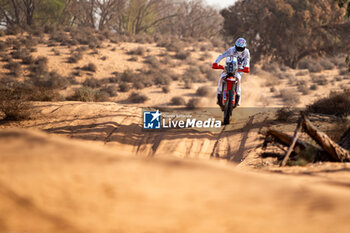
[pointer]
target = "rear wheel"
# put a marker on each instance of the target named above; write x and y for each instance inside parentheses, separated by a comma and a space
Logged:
(228, 107)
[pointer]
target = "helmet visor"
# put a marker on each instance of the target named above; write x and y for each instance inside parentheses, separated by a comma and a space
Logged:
(240, 49)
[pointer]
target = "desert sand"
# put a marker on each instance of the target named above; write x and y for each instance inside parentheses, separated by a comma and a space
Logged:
(90, 167)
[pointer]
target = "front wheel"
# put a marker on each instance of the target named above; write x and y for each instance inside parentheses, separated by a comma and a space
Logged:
(228, 107)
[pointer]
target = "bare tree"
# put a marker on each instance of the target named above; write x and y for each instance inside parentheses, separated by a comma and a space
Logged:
(194, 19)
(108, 11)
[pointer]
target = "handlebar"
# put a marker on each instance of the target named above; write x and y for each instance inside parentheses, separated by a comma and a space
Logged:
(220, 67)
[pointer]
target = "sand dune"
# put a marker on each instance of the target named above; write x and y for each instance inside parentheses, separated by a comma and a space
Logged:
(52, 184)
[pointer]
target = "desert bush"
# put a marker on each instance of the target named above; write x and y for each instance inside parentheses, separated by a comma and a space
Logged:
(151, 60)
(14, 103)
(75, 57)
(87, 94)
(285, 114)
(188, 84)
(311, 65)
(19, 53)
(59, 36)
(326, 64)
(203, 91)
(13, 30)
(124, 87)
(283, 75)
(144, 38)
(81, 49)
(161, 79)
(72, 80)
(29, 42)
(337, 103)
(272, 89)
(6, 57)
(171, 45)
(178, 100)
(313, 87)
(111, 90)
(56, 52)
(133, 58)
(92, 82)
(3, 46)
(135, 97)
(93, 45)
(270, 67)
(103, 58)
(193, 74)
(182, 55)
(14, 68)
(94, 52)
(28, 59)
(343, 72)
(90, 67)
(289, 97)
(203, 48)
(39, 67)
(209, 73)
(193, 103)
(315, 68)
(339, 61)
(50, 80)
(303, 89)
(140, 51)
(49, 29)
(166, 89)
(319, 80)
(138, 85)
(338, 78)
(302, 73)
(41, 61)
(44, 94)
(157, 76)
(127, 76)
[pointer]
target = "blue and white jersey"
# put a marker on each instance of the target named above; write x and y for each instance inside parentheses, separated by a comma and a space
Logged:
(242, 57)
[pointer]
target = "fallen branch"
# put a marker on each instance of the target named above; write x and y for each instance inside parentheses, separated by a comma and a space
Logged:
(337, 152)
(294, 140)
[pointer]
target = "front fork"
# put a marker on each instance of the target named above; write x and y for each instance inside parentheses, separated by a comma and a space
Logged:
(224, 93)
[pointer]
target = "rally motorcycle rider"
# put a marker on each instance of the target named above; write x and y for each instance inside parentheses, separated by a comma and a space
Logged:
(243, 56)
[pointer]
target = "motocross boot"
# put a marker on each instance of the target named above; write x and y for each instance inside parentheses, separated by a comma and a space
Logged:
(237, 100)
(219, 101)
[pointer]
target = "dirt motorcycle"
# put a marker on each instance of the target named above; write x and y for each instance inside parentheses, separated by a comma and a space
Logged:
(229, 99)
